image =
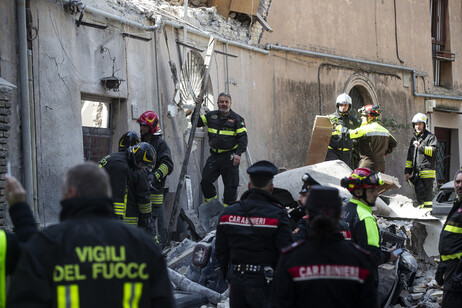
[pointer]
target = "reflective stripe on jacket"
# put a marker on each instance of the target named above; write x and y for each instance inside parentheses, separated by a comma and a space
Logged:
(423, 158)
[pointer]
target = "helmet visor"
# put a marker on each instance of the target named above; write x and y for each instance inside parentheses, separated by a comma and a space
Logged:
(373, 180)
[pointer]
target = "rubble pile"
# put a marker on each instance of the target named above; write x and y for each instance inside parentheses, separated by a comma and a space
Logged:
(202, 18)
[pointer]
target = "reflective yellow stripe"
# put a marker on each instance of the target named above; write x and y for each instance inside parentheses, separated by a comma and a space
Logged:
(68, 296)
(225, 205)
(119, 208)
(132, 294)
(339, 149)
(428, 151)
(145, 208)
(212, 130)
(408, 164)
(241, 130)
(335, 133)
(227, 132)
(2, 269)
(222, 150)
(157, 199)
(164, 169)
(130, 220)
(451, 257)
(208, 199)
(453, 229)
(365, 214)
(427, 174)
(204, 120)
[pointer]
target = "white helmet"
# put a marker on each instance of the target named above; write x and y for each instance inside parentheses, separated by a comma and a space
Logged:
(343, 99)
(419, 118)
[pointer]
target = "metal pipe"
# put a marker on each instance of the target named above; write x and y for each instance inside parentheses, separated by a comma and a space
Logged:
(227, 69)
(24, 93)
(156, 46)
(396, 34)
(372, 63)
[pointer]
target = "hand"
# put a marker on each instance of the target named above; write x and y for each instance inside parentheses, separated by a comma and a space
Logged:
(439, 275)
(236, 160)
(393, 257)
(407, 176)
(158, 175)
(15, 193)
(416, 144)
(456, 281)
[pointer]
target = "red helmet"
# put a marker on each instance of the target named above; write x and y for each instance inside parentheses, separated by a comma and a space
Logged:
(361, 178)
(151, 119)
(370, 110)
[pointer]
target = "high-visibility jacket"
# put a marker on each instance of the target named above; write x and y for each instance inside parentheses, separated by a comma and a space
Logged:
(375, 142)
(338, 141)
(90, 259)
(450, 246)
(226, 133)
(364, 230)
(2, 268)
(163, 166)
(422, 160)
(128, 186)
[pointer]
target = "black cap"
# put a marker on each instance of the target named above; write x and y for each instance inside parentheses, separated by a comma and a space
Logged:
(324, 199)
(308, 181)
(263, 168)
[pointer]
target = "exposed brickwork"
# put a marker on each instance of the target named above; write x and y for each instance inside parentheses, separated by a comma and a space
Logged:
(6, 93)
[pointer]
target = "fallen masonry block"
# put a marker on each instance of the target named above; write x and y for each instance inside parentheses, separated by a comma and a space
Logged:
(209, 213)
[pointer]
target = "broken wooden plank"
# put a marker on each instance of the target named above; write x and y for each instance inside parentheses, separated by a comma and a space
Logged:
(221, 5)
(249, 7)
(320, 137)
(390, 182)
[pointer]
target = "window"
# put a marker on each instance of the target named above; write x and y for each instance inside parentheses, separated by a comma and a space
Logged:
(96, 128)
(441, 48)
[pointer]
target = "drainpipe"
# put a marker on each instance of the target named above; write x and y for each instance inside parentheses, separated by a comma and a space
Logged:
(372, 63)
(25, 107)
(161, 122)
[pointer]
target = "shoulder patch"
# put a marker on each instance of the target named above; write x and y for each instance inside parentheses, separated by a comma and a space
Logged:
(292, 246)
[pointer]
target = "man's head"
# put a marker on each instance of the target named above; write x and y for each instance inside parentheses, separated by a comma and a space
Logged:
(308, 182)
(224, 103)
(86, 180)
(142, 155)
(261, 175)
(127, 140)
(149, 124)
(324, 201)
(362, 184)
(369, 113)
(343, 104)
(458, 184)
(419, 122)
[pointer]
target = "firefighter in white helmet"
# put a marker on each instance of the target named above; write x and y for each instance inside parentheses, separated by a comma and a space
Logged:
(421, 161)
(340, 145)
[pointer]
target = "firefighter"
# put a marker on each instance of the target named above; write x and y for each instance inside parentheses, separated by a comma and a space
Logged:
(250, 236)
(375, 141)
(340, 145)
(357, 215)
(449, 272)
(227, 141)
(151, 133)
(421, 161)
(323, 270)
(24, 226)
(90, 259)
(130, 188)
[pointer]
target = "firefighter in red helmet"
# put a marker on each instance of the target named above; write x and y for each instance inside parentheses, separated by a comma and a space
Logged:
(151, 133)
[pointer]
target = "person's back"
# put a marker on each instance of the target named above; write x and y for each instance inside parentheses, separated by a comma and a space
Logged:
(91, 259)
(324, 270)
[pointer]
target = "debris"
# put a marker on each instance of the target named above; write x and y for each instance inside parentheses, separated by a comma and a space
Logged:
(209, 213)
(320, 137)
(185, 284)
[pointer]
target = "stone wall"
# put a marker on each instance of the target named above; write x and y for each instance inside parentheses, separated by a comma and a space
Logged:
(6, 93)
